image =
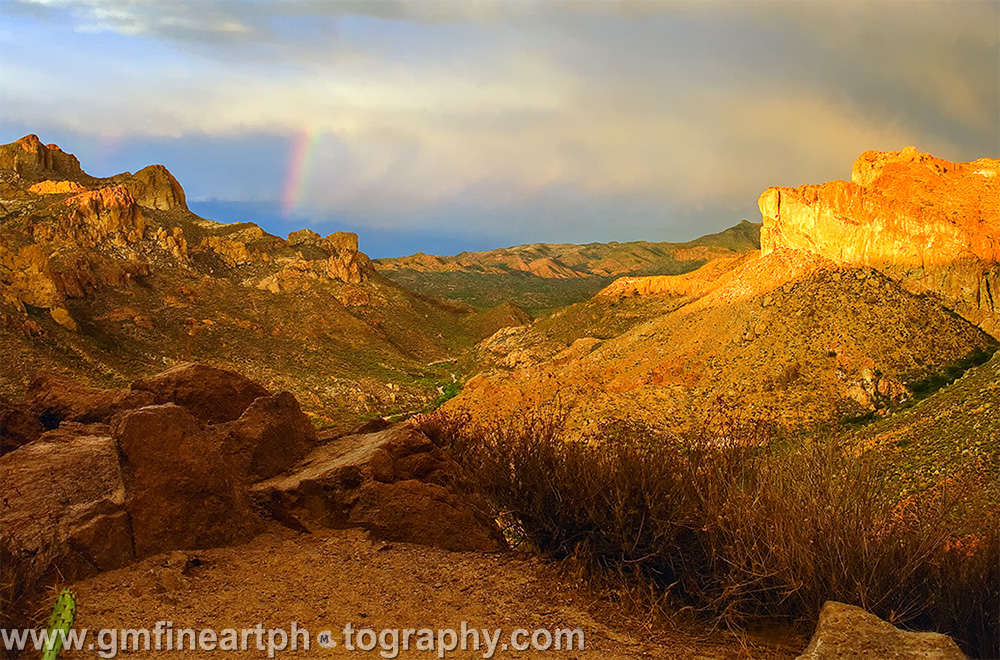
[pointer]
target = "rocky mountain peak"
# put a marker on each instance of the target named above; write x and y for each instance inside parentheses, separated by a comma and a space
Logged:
(30, 157)
(156, 187)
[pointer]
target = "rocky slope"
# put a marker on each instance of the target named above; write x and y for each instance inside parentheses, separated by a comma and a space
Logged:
(540, 277)
(111, 279)
(811, 330)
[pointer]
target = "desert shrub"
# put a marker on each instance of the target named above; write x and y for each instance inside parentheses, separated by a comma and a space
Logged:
(738, 526)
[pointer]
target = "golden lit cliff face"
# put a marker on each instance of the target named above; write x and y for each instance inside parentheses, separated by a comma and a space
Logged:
(933, 222)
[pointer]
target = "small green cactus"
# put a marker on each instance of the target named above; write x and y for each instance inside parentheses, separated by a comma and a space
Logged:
(60, 621)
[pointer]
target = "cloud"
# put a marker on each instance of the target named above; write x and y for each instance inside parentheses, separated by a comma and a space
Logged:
(544, 113)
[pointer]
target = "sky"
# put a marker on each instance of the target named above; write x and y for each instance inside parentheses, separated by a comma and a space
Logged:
(445, 125)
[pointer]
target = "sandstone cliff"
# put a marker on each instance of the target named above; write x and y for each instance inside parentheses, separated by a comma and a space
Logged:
(932, 224)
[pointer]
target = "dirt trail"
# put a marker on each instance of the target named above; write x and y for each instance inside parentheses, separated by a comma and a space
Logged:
(324, 581)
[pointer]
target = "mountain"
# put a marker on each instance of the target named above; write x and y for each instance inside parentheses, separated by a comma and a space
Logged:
(110, 279)
(842, 314)
(541, 277)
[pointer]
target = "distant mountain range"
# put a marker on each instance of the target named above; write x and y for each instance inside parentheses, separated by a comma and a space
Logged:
(542, 276)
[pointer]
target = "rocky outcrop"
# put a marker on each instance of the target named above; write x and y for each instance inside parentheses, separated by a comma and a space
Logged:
(270, 436)
(337, 241)
(181, 489)
(930, 223)
(299, 273)
(395, 483)
(845, 631)
(29, 157)
(303, 237)
(156, 187)
(232, 253)
(54, 398)
(120, 477)
(63, 507)
(340, 241)
(50, 187)
(18, 426)
(210, 394)
(691, 285)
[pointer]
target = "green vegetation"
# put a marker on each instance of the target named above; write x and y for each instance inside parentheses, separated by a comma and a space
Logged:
(60, 621)
(448, 391)
(927, 386)
(536, 295)
(739, 527)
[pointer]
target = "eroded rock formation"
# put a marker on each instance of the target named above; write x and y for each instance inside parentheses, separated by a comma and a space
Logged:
(932, 224)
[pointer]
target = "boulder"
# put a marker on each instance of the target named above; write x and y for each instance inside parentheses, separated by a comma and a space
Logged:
(419, 512)
(394, 483)
(270, 436)
(18, 426)
(55, 398)
(211, 394)
(62, 507)
(181, 490)
(846, 631)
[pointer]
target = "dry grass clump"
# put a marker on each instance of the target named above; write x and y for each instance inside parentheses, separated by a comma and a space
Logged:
(740, 527)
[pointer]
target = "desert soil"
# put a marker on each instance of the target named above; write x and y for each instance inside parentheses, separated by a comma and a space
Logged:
(325, 580)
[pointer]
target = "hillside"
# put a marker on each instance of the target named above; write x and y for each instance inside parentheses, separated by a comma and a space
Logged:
(541, 277)
(953, 430)
(804, 333)
(111, 279)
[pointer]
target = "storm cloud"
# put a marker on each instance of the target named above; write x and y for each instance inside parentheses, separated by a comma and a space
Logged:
(505, 121)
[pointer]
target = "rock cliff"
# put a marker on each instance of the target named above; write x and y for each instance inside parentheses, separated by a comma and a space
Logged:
(929, 223)
(28, 156)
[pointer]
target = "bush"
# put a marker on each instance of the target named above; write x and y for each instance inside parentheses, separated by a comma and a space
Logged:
(738, 526)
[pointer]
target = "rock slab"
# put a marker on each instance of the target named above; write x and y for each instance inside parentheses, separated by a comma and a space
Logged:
(846, 631)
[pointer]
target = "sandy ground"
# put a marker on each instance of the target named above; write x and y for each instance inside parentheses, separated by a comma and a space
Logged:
(325, 581)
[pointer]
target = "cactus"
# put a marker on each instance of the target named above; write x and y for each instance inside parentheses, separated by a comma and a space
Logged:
(60, 621)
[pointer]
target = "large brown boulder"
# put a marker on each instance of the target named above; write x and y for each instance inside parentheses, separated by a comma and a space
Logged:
(395, 483)
(55, 398)
(845, 631)
(270, 436)
(421, 512)
(62, 507)
(211, 394)
(18, 426)
(181, 489)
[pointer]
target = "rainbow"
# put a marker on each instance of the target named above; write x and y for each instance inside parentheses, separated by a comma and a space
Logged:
(299, 157)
